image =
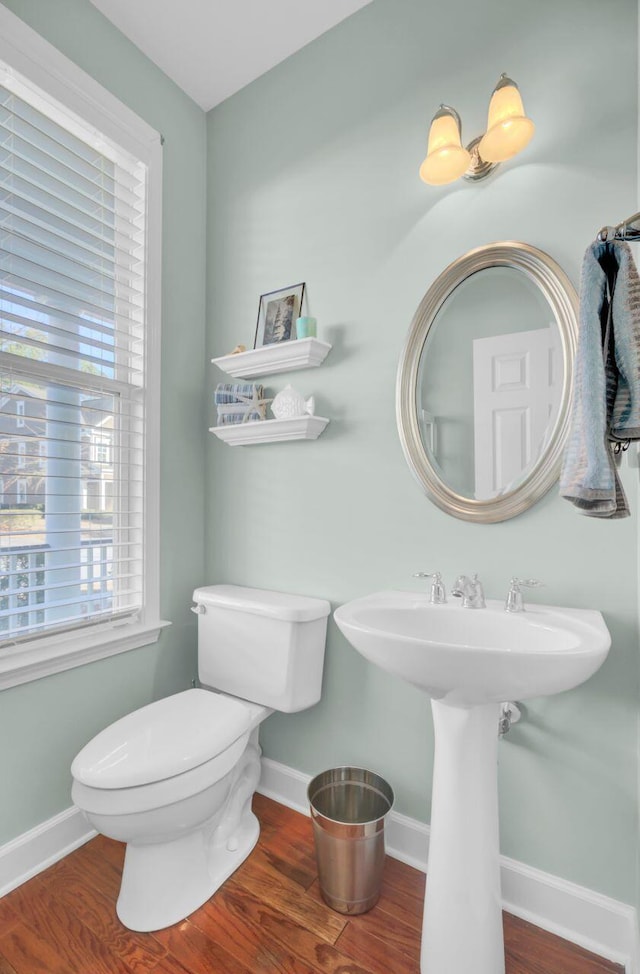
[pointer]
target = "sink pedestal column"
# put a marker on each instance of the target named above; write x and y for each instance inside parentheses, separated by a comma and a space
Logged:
(462, 927)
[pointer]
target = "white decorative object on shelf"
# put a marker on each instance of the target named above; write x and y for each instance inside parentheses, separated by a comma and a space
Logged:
(301, 353)
(271, 430)
(289, 403)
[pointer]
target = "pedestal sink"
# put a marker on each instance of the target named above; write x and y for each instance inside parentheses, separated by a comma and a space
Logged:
(469, 661)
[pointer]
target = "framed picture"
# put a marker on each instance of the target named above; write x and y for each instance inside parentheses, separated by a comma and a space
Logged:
(277, 314)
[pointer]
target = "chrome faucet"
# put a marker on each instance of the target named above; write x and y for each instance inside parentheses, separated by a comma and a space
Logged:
(470, 591)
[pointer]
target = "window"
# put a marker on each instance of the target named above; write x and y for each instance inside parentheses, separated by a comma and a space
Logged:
(79, 326)
(101, 447)
(92, 495)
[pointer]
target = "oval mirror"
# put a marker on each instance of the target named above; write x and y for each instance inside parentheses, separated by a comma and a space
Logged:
(484, 381)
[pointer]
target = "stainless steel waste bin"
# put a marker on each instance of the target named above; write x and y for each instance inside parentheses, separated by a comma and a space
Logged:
(348, 809)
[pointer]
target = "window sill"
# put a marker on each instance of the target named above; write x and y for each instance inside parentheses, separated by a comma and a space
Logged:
(31, 661)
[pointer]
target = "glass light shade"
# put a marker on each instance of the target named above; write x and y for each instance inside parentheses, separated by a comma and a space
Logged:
(508, 128)
(446, 160)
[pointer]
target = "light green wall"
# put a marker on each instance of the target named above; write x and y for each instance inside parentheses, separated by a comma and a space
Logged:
(313, 176)
(43, 724)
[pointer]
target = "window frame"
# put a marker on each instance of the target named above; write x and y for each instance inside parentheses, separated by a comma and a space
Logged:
(48, 70)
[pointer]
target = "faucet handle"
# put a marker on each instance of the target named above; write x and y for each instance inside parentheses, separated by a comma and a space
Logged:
(437, 595)
(475, 579)
(477, 598)
(515, 602)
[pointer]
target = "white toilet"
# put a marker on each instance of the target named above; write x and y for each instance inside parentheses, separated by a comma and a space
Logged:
(175, 779)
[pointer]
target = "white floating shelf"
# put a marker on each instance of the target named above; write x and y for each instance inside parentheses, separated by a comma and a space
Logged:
(301, 353)
(271, 430)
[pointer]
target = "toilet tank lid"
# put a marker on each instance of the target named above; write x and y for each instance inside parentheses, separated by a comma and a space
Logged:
(162, 740)
(263, 602)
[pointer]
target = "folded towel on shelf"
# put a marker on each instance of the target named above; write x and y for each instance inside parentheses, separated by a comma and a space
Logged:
(226, 392)
(606, 398)
(233, 413)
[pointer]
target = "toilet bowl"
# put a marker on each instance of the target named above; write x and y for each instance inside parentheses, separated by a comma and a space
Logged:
(174, 780)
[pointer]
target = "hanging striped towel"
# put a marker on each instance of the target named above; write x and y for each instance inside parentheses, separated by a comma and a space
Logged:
(606, 396)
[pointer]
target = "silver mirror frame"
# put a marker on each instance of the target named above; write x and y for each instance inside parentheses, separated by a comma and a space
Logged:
(556, 287)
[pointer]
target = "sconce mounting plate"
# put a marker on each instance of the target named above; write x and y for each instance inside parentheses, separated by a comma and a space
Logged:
(479, 168)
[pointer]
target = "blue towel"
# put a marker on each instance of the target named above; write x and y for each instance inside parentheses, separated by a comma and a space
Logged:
(227, 392)
(606, 397)
(227, 417)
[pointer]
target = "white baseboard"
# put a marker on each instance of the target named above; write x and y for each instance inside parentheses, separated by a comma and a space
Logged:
(41, 846)
(598, 923)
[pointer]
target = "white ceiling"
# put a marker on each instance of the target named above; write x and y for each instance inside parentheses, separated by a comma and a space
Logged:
(212, 48)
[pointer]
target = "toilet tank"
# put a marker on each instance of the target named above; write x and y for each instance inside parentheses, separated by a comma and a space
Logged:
(263, 646)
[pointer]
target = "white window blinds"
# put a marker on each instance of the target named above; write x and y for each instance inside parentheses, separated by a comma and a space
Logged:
(73, 224)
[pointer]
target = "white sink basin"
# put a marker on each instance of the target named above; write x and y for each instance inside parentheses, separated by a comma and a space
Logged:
(475, 656)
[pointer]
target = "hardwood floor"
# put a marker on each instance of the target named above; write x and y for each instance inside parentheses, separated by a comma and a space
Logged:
(269, 918)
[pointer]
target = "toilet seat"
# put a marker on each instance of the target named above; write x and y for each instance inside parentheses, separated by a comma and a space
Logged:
(162, 753)
(158, 794)
(162, 740)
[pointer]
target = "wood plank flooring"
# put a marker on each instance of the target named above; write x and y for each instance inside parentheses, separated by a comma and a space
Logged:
(269, 918)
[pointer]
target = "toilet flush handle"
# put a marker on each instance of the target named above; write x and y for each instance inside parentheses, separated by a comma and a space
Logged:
(199, 609)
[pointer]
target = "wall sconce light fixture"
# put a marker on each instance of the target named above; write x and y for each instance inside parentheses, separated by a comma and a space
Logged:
(508, 131)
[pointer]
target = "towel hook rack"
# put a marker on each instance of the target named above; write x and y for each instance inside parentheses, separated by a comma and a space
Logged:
(629, 229)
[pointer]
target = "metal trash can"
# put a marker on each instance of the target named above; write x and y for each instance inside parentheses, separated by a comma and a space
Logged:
(348, 809)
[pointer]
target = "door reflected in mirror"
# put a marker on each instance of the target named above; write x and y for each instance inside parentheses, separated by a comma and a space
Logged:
(489, 383)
